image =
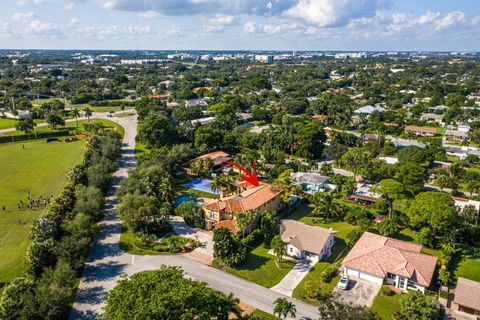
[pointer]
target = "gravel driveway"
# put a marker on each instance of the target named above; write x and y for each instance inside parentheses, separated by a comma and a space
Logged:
(359, 292)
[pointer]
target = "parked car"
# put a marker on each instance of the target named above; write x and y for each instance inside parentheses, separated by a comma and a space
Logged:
(343, 283)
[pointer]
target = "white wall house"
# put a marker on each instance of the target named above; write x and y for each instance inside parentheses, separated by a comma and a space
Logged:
(307, 242)
(380, 260)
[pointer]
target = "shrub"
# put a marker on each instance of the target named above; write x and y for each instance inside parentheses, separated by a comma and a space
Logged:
(386, 291)
(329, 273)
(356, 215)
(254, 237)
(425, 237)
(352, 237)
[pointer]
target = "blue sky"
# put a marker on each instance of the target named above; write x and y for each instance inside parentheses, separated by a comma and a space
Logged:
(242, 24)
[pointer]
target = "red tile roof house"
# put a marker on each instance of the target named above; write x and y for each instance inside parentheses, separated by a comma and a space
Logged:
(307, 242)
(379, 259)
(265, 197)
(467, 296)
(219, 158)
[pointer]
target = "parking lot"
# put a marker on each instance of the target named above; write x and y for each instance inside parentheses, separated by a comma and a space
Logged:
(359, 292)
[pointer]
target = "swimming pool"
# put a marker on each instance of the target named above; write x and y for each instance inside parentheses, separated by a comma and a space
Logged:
(202, 185)
(184, 197)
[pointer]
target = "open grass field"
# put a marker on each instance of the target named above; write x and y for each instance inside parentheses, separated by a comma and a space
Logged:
(41, 168)
(260, 267)
(38, 102)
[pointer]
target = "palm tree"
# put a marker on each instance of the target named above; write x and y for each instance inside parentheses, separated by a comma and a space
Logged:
(279, 248)
(284, 308)
(223, 183)
(76, 114)
(88, 113)
(231, 306)
(324, 204)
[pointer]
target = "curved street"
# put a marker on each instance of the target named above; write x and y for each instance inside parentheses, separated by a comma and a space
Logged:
(107, 262)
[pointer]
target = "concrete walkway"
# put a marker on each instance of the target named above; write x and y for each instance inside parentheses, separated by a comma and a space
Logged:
(293, 278)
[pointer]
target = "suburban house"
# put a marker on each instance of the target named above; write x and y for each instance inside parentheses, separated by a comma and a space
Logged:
(369, 110)
(380, 260)
(221, 212)
(311, 182)
(307, 242)
(461, 151)
(15, 114)
(421, 131)
(456, 133)
(467, 295)
(432, 117)
(202, 121)
(365, 194)
(219, 158)
(461, 203)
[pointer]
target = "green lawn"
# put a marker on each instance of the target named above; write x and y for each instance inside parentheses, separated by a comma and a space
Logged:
(82, 106)
(41, 168)
(124, 115)
(385, 306)
(469, 265)
(339, 251)
(7, 123)
(260, 267)
(263, 315)
(313, 277)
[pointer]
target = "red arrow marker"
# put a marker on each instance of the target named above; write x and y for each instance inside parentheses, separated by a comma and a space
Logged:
(250, 178)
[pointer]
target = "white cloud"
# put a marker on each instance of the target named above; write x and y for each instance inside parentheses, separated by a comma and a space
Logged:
(333, 13)
(219, 22)
(22, 2)
(150, 14)
(279, 27)
(449, 19)
(69, 6)
(23, 16)
(250, 27)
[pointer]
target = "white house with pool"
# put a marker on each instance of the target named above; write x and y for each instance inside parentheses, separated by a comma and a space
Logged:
(311, 182)
(307, 242)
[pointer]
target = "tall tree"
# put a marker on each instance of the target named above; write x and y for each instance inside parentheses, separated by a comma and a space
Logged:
(26, 125)
(284, 308)
(88, 113)
(279, 248)
(76, 114)
(167, 294)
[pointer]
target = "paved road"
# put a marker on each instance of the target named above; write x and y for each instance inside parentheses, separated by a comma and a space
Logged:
(107, 262)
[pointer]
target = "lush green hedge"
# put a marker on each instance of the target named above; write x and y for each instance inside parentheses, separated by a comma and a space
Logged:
(31, 136)
(61, 238)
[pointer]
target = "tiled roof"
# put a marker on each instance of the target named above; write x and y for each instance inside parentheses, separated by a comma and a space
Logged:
(304, 237)
(421, 129)
(218, 157)
(467, 293)
(379, 255)
(252, 198)
(228, 224)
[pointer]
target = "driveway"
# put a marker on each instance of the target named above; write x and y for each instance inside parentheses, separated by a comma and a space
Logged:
(359, 292)
(292, 279)
(204, 252)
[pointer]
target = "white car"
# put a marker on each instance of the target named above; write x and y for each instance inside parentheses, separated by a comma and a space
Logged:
(343, 283)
